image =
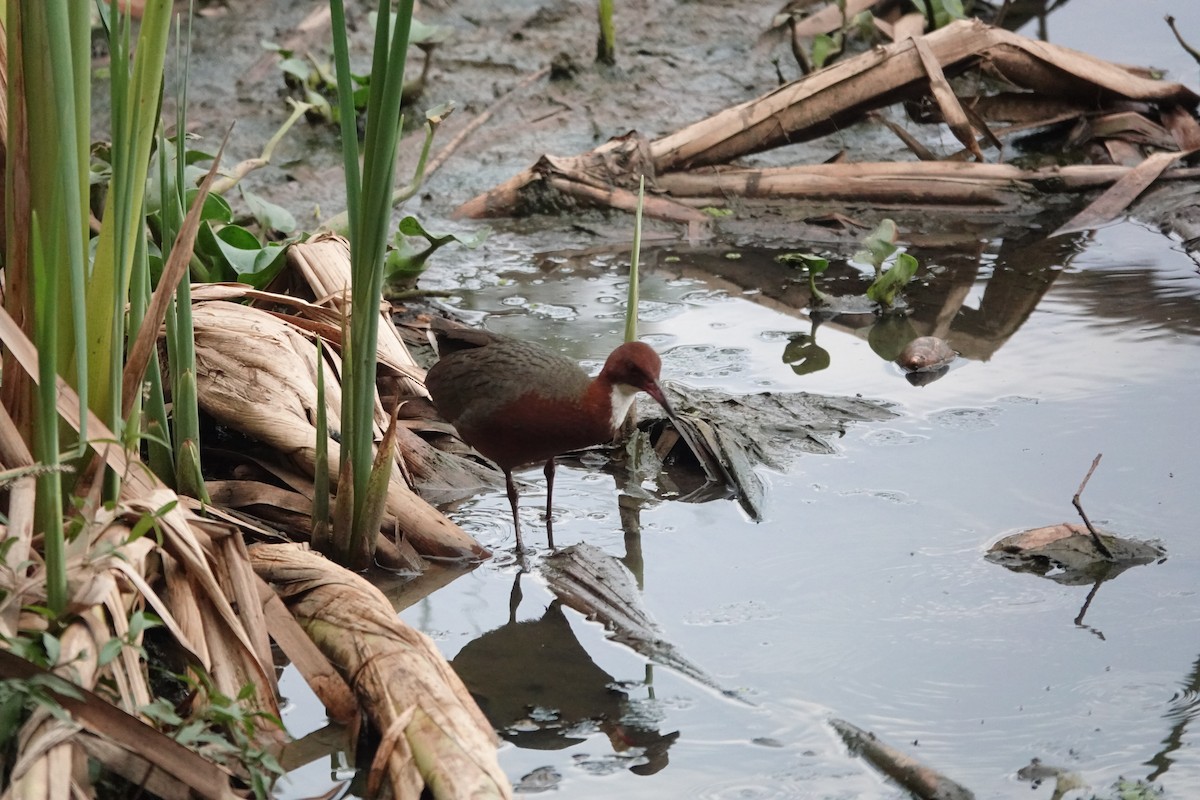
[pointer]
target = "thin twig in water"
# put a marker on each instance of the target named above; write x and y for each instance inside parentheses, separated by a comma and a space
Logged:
(1079, 507)
(1178, 37)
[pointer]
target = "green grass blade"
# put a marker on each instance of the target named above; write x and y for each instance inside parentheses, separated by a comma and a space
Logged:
(48, 511)
(320, 539)
(346, 114)
(369, 229)
(136, 121)
(631, 299)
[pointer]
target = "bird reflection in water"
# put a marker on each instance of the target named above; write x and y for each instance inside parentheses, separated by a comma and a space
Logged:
(541, 690)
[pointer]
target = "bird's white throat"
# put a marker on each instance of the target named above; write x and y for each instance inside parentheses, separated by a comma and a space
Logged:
(622, 398)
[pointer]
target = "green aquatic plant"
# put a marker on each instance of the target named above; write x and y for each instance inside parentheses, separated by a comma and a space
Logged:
(893, 267)
(813, 265)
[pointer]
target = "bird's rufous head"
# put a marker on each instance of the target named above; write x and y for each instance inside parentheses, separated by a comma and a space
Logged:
(636, 364)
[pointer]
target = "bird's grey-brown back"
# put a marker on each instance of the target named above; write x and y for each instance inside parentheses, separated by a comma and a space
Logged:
(472, 383)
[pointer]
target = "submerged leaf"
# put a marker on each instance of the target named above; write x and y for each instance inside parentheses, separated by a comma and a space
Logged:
(1067, 553)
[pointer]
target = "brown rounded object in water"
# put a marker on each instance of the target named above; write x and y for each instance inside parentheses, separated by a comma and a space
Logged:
(926, 353)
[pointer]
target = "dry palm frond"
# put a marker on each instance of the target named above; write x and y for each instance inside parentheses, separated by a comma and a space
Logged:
(111, 572)
(324, 264)
(434, 736)
(256, 374)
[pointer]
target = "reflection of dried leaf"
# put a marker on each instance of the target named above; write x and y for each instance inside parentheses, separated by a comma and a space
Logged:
(599, 586)
(1067, 553)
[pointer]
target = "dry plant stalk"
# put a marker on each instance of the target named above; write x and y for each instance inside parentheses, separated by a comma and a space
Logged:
(256, 373)
(111, 575)
(686, 165)
(433, 734)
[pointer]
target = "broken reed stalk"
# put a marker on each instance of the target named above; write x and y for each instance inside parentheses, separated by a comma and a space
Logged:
(1103, 548)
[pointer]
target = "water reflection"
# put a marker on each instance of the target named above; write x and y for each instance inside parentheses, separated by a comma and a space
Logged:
(974, 290)
(979, 292)
(541, 690)
(1182, 710)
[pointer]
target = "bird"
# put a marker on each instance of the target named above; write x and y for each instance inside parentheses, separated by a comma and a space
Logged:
(518, 402)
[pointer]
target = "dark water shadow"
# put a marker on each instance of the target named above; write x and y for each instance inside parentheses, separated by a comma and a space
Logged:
(542, 690)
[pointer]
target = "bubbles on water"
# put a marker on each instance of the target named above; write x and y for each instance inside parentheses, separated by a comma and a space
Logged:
(605, 765)
(542, 779)
(899, 498)
(514, 300)
(890, 437)
(702, 297)
(966, 419)
(648, 311)
(707, 361)
(551, 311)
(731, 614)
(657, 311)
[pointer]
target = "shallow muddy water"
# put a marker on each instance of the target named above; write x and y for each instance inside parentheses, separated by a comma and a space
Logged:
(863, 594)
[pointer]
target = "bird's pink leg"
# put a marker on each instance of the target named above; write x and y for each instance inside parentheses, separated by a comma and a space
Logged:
(512, 501)
(550, 502)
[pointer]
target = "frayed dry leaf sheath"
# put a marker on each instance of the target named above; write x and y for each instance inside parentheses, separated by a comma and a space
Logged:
(324, 264)
(256, 373)
(434, 736)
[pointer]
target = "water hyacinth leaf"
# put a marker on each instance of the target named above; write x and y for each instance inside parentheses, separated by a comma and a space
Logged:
(406, 259)
(878, 245)
(320, 106)
(825, 47)
(242, 256)
(297, 68)
(192, 175)
(944, 11)
(887, 285)
(268, 215)
(437, 115)
(423, 34)
(814, 265)
(215, 208)
(411, 226)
